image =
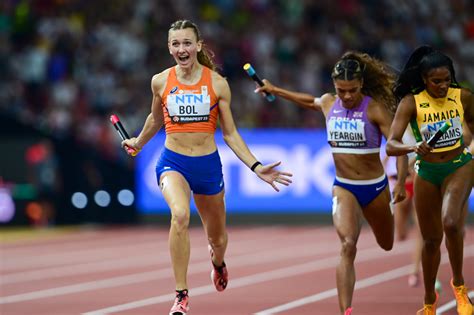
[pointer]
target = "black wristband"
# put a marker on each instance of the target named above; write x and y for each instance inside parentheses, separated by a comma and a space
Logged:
(254, 166)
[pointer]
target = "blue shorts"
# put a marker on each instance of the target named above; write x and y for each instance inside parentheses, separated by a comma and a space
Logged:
(203, 173)
(364, 190)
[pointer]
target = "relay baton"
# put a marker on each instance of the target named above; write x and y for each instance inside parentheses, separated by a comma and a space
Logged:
(251, 72)
(122, 132)
(432, 141)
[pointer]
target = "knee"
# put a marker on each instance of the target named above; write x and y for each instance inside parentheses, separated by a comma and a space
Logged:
(218, 241)
(451, 226)
(349, 248)
(180, 220)
(432, 244)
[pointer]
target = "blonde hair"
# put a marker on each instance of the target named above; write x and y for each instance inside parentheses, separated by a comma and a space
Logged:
(205, 56)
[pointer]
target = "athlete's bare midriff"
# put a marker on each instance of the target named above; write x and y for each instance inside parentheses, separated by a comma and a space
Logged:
(358, 166)
(442, 157)
(191, 143)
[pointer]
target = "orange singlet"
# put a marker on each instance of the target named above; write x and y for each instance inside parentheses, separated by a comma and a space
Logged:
(190, 108)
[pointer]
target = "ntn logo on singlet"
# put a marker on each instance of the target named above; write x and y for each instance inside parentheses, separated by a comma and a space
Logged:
(449, 137)
(189, 107)
(433, 127)
(346, 133)
(342, 131)
(345, 125)
(189, 99)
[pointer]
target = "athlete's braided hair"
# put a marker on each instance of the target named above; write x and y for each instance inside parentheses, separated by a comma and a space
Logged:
(422, 60)
(205, 56)
(377, 76)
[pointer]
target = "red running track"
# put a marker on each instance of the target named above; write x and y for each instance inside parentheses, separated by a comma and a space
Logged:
(273, 270)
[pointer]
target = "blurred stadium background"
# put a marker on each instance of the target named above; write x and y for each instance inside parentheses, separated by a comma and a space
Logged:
(66, 65)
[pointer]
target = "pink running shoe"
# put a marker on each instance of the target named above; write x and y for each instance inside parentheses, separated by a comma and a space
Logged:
(219, 275)
(181, 303)
(348, 311)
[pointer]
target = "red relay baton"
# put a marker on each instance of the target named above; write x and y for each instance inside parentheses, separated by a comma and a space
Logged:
(122, 132)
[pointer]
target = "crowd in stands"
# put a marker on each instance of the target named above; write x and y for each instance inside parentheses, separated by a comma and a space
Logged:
(66, 65)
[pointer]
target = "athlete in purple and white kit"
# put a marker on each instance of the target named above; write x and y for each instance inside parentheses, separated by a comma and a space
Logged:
(356, 118)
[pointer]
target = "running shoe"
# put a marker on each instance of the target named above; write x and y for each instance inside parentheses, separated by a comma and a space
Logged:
(464, 304)
(181, 303)
(429, 309)
(219, 275)
(348, 311)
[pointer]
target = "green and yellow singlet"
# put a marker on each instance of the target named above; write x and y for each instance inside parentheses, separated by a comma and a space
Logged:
(432, 113)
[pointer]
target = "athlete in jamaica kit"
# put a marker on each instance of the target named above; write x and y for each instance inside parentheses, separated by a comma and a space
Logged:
(429, 96)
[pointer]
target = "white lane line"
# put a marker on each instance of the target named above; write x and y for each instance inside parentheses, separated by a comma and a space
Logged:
(281, 273)
(367, 282)
(263, 257)
(100, 251)
(79, 241)
(115, 263)
(94, 246)
(77, 256)
(451, 304)
(83, 269)
(364, 283)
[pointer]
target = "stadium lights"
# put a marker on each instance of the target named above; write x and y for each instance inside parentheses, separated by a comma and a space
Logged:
(126, 197)
(102, 198)
(7, 206)
(79, 200)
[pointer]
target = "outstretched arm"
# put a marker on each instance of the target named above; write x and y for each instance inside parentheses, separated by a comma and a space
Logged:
(303, 100)
(154, 120)
(232, 138)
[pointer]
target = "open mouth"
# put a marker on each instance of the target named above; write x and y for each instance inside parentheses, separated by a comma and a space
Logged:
(183, 58)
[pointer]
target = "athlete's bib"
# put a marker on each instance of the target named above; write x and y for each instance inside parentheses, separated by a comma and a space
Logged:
(448, 139)
(346, 133)
(185, 108)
